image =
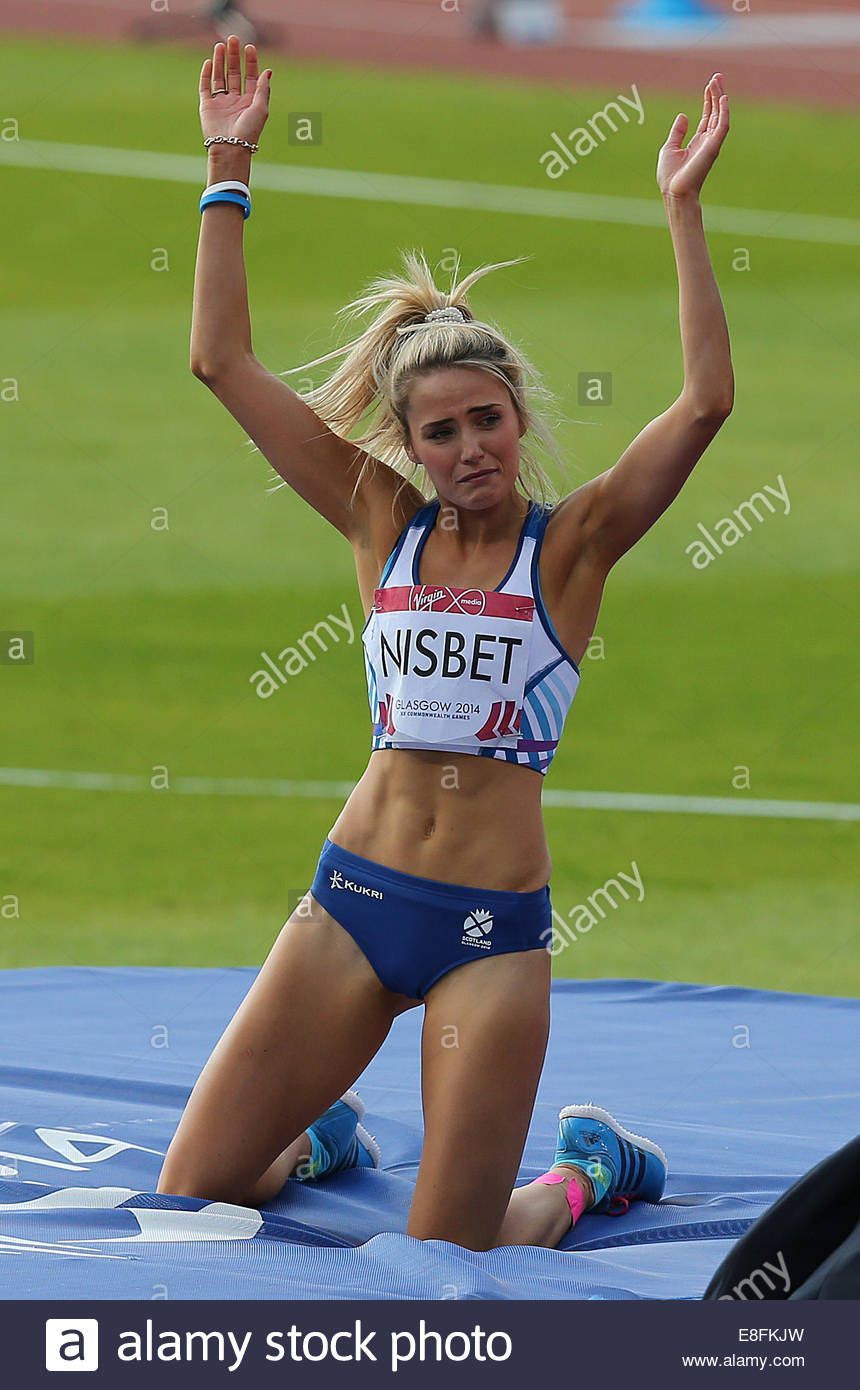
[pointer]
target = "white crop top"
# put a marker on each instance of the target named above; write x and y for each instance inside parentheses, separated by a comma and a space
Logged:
(467, 670)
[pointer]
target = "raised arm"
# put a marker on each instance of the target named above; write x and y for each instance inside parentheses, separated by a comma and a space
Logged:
(320, 465)
(616, 508)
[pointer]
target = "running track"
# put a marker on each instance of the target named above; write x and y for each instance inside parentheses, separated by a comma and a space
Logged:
(784, 50)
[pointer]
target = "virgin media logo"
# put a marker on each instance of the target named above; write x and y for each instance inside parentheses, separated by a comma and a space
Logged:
(448, 600)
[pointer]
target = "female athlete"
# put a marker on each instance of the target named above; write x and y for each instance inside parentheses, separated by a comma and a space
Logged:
(432, 886)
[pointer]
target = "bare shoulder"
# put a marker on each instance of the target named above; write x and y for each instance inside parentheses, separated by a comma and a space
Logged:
(566, 539)
(388, 502)
(571, 571)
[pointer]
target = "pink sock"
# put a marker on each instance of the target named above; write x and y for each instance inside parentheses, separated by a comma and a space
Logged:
(575, 1195)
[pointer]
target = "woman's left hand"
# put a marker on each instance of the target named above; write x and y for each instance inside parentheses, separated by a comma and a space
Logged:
(681, 173)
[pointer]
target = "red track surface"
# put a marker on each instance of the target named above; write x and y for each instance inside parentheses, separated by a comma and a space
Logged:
(421, 34)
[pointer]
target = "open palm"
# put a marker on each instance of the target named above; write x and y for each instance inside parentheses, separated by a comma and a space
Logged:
(681, 172)
(232, 111)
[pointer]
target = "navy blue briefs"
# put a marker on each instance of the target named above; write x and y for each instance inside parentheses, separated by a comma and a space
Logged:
(414, 930)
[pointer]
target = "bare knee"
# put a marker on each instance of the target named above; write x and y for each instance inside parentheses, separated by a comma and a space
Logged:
(467, 1234)
(173, 1184)
(174, 1181)
(465, 1241)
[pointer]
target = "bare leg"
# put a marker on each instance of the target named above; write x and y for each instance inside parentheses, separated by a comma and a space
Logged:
(272, 1181)
(290, 1161)
(483, 1043)
(310, 1023)
(538, 1214)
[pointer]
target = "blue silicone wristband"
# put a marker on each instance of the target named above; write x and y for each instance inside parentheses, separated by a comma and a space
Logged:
(226, 197)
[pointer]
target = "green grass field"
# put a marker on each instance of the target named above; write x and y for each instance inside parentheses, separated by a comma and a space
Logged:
(145, 640)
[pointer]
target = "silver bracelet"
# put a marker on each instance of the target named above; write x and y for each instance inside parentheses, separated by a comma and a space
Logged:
(229, 140)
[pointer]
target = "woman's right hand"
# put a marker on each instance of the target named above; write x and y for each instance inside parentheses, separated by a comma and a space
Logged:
(233, 112)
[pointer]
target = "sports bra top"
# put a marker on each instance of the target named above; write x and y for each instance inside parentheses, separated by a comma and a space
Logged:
(467, 670)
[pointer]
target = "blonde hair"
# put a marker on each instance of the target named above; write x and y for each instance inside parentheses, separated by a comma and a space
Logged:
(398, 345)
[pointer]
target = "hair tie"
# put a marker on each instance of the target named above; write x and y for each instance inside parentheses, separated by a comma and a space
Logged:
(448, 314)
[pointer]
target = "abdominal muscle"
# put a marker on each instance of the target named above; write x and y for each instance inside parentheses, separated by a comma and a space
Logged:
(454, 817)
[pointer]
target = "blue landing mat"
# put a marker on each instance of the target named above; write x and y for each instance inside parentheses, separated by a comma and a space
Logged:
(744, 1089)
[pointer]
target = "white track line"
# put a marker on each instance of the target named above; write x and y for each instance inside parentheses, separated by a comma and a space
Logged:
(584, 800)
(705, 805)
(440, 193)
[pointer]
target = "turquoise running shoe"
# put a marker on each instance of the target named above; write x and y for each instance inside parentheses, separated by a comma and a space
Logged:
(623, 1167)
(338, 1141)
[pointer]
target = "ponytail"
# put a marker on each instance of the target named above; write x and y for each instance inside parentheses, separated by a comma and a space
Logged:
(398, 345)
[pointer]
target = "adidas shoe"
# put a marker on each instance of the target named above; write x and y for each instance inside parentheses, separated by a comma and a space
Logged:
(338, 1141)
(623, 1167)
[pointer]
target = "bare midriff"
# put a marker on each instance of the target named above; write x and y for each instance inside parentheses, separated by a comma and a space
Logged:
(459, 818)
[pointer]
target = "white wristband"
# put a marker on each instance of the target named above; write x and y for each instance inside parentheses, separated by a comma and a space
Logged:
(234, 185)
